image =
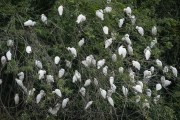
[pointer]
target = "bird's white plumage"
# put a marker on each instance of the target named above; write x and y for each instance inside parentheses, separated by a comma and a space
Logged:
(121, 70)
(158, 87)
(103, 93)
(140, 30)
(100, 14)
(159, 63)
(64, 102)
(73, 51)
(29, 23)
(106, 30)
(125, 91)
(44, 18)
(3, 60)
(174, 71)
(16, 99)
(87, 82)
(147, 52)
(9, 55)
(38, 64)
(88, 105)
(121, 22)
(61, 73)
(114, 57)
(81, 18)
(122, 51)
(105, 70)
(57, 92)
(57, 60)
(154, 30)
(100, 63)
(40, 96)
(41, 74)
(137, 88)
(49, 78)
(83, 91)
(60, 10)
(110, 100)
(28, 49)
(81, 42)
(130, 50)
(108, 42)
(10, 43)
(128, 11)
(136, 64)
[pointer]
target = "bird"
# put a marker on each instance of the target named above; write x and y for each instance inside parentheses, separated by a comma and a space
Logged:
(147, 52)
(57, 60)
(31, 92)
(174, 71)
(158, 87)
(64, 102)
(89, 61)
(146, 104)
(44, 18)
(60, 10)
(152, 69)
(130, 50)
(9, 55)
(103, 93)
(81, 18)
(140, 83)
(153, 43)
(114, 57)
(133, 19)
(159, 63)
(110, 100)
(87, 82)
(136, 64)
(122, 51)
(40, 96)
(61, 73)
(138, 98)
(147, 74)
(125, 91)
(121, 70)
(156, 99)
(100, 63)
(154, 30)
(127, 39)
(55, 109)
(76, 77)
(166, 69)
(73, 51)
(57, 92)
(131, 75)
(105, 70)
(108, 42)
(100, 14)
(83, 91)
(20, 83)
(140, 30)
(165, 82)
(29, 23)
(128, 11)
(148, 92)
(88, 105)
(21, 75)
(95, 81)
(81, 42)
(3, 60)
(28, 49)
(111, 80)
(49, 78)
(137, 88)
(121, 22)
(10, 43)
(16, 98)
(41, 74)
(105, 30)
(113, 88)
(68, 63)
(1, 81)
(107, 9)
(38, 64)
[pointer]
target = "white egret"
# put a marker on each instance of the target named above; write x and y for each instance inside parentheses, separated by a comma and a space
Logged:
(147, 52)
(44, 18)
(140, 83)
(31, 92)
(166, 69)
(111, 80)
(83, 91)
(106, 30)
(100, 14)
(103, 93)
(156, 99)
(128, 11)
(107, 9)
(81, 42)
(21, 75)
(54, 110)
(28, 49)
(113, 88)
(57, 60)
(125, 91)
(130, 50)
(40, 96)
(20, 83)
(138, 98)
(122, 51)
(49, 78)
(153, 43)
(1, 81)
(110, 100)
(9, 55)
(127, 39)
(64, 102)
(76, 77)
(147, 74)
(88, 105)
(137, 88)
(146, 104)
(41, 74)
(68, 63)
(81, 18)
(133, 19)
(29, 23)
(100, 63)
(165, 82)
(57, 92)
(121, 70)
(159, 63)
(152, 69)
(87, 82)
(10, 43)
(136, 64)
(108, 42)
(158, 87)
(121, 22)
(61, 73)
(3, 60)
(105, 70)
(131, 75)
(148, 92)
(114, 57)
(38, 64)
(140, 30)
(174, 71)
(60, 10)
(154, 30)
(95, 81)
(16, 99)
(73, 51)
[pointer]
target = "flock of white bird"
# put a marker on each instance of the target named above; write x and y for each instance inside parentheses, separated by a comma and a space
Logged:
(100, 64)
